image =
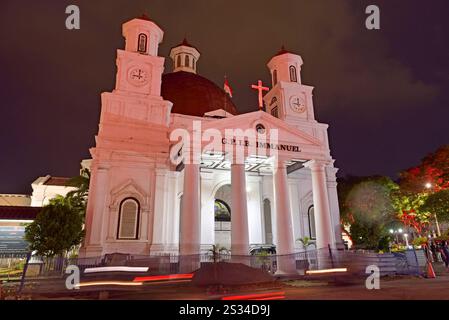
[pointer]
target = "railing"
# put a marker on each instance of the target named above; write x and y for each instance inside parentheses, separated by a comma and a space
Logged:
(44, 269)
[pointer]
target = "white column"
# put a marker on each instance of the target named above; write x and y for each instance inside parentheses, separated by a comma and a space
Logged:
(239, 211)
(284, 230)
(333, 205)
(255, 210)
(282, 211)
(160, 210)
(207, 210)
(95, 209)
(172, 222)
(321, 205)
(189, 242)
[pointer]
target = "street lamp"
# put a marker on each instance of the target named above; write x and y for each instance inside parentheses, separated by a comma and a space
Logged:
(396, 232)
(406, 240)
(428, 186)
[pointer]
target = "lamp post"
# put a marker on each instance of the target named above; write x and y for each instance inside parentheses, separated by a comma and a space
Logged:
(396, 233)
(428, 187)
(406, 239)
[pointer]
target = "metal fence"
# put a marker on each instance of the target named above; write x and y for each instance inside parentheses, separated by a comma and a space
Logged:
(41, 269)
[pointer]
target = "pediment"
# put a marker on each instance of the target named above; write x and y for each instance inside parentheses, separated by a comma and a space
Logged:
(286, 132)
(129, 189)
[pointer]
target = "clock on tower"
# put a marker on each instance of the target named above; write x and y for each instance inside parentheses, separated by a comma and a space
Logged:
(289, 99)
(139, 68)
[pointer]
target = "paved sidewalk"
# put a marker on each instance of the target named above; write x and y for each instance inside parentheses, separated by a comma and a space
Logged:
(398, 288)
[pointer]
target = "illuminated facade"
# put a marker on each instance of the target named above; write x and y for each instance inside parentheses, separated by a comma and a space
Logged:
(143, 202)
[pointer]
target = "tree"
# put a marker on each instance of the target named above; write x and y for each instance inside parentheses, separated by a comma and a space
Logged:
(56, 229)
(419, 183)
(78, 197)
(368, 205)
(305, 242)
(410, 210)
(216, 251)
(438, 203)
(433, 170)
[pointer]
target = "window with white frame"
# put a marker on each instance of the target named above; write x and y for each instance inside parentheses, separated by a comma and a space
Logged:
(128, 223)
(142, 46)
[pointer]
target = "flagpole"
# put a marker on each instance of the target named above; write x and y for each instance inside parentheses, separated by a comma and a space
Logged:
(225, 97)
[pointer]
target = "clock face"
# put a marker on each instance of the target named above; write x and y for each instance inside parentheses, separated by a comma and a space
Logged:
(297, 104)
(138, 76)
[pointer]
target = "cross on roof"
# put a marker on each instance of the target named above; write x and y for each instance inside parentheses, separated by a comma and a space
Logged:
(261, 89)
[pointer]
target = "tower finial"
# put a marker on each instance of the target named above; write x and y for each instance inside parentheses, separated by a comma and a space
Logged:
(144, 16)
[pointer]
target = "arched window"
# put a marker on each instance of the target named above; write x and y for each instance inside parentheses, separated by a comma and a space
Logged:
(142, 45)
(186, 62)
(178, 61)
(128, 221)
(275, 77)
(311, 218)
(222, 211)
(293, 77)
(222, 216)
(267, 221)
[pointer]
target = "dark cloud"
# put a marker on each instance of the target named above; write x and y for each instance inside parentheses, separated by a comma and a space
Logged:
(384, 93)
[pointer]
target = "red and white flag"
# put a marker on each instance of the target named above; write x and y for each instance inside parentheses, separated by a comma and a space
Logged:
(227, 87)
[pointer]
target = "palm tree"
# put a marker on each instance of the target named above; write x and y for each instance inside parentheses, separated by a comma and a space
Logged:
(81, 183)
(306, 242)
(78, 197)
(216, 251)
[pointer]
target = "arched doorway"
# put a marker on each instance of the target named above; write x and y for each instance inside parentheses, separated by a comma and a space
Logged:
(222, 216)
(267, 222)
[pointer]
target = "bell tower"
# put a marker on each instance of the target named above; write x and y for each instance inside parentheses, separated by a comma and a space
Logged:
(288, 99)
(132, 138)
(139, 68)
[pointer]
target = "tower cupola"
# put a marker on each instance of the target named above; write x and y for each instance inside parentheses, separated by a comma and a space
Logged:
(185, 57)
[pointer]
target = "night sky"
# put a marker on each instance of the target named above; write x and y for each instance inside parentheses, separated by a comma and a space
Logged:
(384, 93)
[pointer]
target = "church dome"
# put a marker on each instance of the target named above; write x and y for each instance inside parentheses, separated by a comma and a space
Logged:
(194, 95)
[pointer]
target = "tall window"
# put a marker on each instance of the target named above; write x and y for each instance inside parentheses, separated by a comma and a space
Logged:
(178, 61)
(275, 77)
(275, 112)
(311, 218)
(267, 221)
(142, 45)
(128, 223)
(222, 214)
(186, 62)
(293, 77)
(193, 63)
(222, 211)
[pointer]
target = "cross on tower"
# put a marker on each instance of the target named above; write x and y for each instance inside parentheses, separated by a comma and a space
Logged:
(261, 89)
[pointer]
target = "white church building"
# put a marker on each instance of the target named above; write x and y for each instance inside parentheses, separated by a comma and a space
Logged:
(141, 201)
